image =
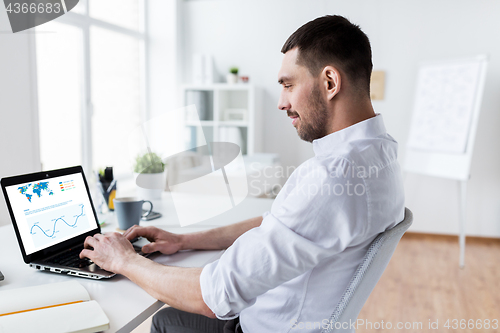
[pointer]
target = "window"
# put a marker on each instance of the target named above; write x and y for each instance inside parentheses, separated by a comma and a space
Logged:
(91, 79)
(59, 95)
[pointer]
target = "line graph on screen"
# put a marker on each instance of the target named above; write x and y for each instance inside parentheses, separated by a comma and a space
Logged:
(58, 224)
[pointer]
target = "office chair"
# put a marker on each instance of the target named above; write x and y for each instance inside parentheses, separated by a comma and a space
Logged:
(366, 276)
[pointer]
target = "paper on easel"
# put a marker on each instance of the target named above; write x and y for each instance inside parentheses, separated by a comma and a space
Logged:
(444, 104)
(56, 307)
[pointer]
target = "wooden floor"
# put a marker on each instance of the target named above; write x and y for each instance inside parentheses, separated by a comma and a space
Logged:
(423, 282)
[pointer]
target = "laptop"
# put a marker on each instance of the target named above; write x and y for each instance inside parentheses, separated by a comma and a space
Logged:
(52, 214)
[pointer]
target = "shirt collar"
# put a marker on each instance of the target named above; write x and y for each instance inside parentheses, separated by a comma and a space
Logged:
(369, 128)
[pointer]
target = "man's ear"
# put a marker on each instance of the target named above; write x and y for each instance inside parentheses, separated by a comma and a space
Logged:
(332, 81)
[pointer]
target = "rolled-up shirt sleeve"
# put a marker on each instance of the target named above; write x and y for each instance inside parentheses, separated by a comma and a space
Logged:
(293, 238)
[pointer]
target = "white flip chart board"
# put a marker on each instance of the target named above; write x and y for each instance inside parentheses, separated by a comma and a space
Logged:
(445, 115)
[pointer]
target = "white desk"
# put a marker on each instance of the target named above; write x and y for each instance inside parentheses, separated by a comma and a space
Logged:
(125, 304)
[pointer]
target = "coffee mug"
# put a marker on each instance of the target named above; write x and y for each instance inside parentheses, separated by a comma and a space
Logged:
(129, 211)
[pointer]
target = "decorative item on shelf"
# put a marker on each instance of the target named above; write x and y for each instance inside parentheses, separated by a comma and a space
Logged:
(231, 134)
(232, 77)
(244, 79)
(150, 176)
(235, 115)
(200, 99)
(107, 186)
(203, 69)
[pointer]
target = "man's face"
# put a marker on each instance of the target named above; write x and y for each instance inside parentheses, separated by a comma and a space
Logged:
(302, 99)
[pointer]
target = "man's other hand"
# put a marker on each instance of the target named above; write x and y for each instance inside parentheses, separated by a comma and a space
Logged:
(110, 252)
(161, 240)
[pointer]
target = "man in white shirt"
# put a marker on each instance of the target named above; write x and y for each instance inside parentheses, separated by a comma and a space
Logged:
(286, 271)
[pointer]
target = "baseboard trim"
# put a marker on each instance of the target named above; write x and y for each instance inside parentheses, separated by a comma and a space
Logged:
(479, 239)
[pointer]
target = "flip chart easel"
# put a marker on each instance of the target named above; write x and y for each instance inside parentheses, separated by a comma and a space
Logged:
(444, 123)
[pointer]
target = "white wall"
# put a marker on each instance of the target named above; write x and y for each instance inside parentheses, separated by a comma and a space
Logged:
(19, 151)
(249, 34)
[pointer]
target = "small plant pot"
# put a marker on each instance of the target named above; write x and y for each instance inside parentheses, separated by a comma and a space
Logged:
(150, 185)
(232, 78)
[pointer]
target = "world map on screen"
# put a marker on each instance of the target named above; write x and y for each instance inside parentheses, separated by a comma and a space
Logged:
(35, 189)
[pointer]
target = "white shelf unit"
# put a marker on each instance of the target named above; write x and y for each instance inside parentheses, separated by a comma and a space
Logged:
(213, 102)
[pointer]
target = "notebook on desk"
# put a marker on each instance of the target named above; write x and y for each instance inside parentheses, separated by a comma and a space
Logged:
(52, 214)
(56, 307)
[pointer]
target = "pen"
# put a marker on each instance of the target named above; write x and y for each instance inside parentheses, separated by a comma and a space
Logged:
(110, 187)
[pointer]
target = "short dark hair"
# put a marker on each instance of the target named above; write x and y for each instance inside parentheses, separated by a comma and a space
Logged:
(333, 40)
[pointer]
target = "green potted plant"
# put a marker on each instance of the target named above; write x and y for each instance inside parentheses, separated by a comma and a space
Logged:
(150, 176)
(232, 77)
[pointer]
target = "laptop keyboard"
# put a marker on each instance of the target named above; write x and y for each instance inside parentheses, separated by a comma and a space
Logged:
(71, 258)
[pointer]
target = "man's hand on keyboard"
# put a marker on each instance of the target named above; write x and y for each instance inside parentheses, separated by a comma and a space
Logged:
(110, 252)
(161, 240)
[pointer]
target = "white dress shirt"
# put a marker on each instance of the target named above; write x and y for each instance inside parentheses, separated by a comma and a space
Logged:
(289, 274)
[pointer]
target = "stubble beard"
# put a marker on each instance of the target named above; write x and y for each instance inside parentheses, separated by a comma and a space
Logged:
(315, 127)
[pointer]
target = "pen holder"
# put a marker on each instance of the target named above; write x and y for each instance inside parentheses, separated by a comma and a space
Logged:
(108, 190)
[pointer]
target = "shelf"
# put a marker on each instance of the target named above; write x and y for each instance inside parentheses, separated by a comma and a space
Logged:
(219, 86)
(233, 123)
(204, 123)
(215, 103)
(201, 122)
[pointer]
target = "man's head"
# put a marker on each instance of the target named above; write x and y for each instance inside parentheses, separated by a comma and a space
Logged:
(320, 57)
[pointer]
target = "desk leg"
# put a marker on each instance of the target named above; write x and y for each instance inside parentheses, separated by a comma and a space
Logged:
(462, 206)
(141, 318)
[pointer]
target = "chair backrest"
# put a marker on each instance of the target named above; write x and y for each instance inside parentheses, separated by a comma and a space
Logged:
(366, 276)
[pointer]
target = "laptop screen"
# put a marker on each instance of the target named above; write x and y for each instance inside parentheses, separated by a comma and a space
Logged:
(51, 211)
